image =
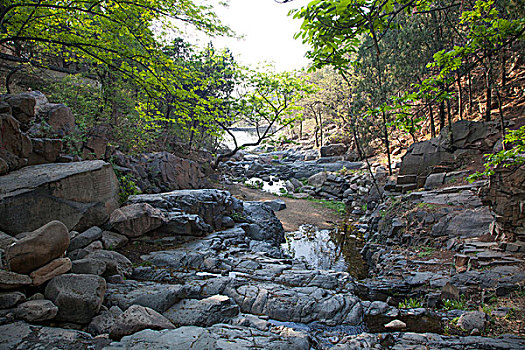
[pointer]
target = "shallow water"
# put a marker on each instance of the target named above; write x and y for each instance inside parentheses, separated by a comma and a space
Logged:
(326, 249)
(274, 186)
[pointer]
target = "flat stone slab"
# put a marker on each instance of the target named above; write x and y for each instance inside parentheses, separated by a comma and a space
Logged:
(79, 194)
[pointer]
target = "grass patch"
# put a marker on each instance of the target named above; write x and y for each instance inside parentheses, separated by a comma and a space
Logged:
(426, 252)
(337, 206)
(410, 303)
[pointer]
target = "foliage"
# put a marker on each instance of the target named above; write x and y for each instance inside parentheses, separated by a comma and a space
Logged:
(127, 186)
(449, 304)
(336, 206)
(410, 303)
(425, 252)
(505, 158)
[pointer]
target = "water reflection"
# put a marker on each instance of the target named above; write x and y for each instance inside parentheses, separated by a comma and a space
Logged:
(335, 249)
(274, 186)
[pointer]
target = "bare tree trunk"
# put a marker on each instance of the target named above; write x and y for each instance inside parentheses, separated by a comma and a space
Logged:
(502, 118)
(441, 115)
(387, 143)
(432, 124)
(470, 93)
(488, 91)
(460, 97)
(321, 128)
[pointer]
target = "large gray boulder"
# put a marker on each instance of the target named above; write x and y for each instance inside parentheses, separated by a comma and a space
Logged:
(210, 204)
(15, 145)
(138, 318)
(264, 225)
(336, 149)
(36, 311)
(12, 280)
(78, 297)
(80, 194)
(116, 263)
(38, 247)
(204, 313)
(136, 219)
(220, 336)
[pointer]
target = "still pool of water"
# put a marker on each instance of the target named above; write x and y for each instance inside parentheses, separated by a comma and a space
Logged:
(274, 186)
(331, 249)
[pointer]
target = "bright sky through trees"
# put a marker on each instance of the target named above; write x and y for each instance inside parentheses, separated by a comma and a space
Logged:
(268, 33)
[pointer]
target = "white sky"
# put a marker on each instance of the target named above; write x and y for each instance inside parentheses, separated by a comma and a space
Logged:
(268, 33)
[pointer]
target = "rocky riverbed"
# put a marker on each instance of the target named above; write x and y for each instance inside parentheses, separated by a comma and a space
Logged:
(438, 267)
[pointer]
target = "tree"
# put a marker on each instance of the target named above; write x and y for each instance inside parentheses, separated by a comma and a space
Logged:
(268, 103)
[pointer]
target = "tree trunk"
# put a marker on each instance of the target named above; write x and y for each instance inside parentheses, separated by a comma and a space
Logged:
(321, 128)
(470, 93)
(387, 143)
(502, 118)
(450, 134)
(441, 115)
(432, 124)
(460, 97)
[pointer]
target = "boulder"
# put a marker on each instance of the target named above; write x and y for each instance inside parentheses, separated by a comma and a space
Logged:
(89, 267)
(15, 146)
(78, 297)
(204, 313)
(264, 225)
(54, 268)
(45, 150)
(473, 320)
(138, 318)
(136, 219)
(12, 280)
(23, 107)
(162, 171)
(336, 149)
(9, 300)
(210, 204)
(116, 263)
(79, 194)
(6, 240)
(395, 325)
(36, 311)
(113, 240)
(85, 238)
(59, 117)
(318, 179)
(276, 204)
(38, 247)
(102, 323)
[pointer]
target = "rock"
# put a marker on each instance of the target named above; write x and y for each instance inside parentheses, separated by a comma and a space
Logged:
(434, 180)
(38, 247)
(45, 150)
(318, 179)
(218, 336)
(162, 171)
(6, 240)
(449, 292)
(113, 240)
(38, 337)
(78, 297)
(276, 204)
(36, 311)
(59, 117)
(473, 320)
(336, 149)
(395, 325)
(209, 204)
(157, 296)
(89, 267)
(9, 300)
(13, 280)
(206, 312)
(138, 318)
(23, 107)
(79, 194)
(300, 195)
(461, 262)
(116, 263)
(85, 238)
(264, 225)
(15, 146)
(136, 219)
(102, 323)
(52, 269)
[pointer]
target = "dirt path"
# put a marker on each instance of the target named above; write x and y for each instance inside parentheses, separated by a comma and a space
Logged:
(298, 211)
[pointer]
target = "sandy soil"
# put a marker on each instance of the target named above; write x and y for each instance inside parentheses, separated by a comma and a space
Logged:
(298, 211)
